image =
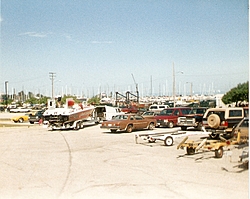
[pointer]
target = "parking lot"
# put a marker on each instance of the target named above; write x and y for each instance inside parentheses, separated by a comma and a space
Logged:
(94, 163)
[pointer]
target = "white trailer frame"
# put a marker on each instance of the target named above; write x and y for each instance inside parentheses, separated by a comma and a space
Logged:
(167, 137)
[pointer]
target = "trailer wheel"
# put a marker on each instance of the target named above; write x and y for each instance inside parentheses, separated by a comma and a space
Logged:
(214, 136)
(77, 127)
(190, 150)
(20, 120)
(219, 152)
(168, 141)
(129, 128)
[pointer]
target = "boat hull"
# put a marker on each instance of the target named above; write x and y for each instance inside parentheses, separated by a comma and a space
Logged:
(59, 117)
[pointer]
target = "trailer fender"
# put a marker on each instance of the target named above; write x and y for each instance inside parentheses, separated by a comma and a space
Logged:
(182, 142)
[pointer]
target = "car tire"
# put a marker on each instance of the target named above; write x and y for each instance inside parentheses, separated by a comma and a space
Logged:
(219, 152)
(168, 141)
(113, 130)
(129, 128)
(183, 128)
(151, 126)
(213, 121)
(199, 126)
(170, 124)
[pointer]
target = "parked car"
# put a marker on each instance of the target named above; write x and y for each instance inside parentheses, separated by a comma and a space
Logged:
(158, 107)
(149, 114)
(169, 117)
(128, 122)
(222, 120)
(21, 118)
(36, 117)
(104, 112)
(193, 119)
(20, 110)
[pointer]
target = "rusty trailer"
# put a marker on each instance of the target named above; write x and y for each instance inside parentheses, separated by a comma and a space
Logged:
(193, 147)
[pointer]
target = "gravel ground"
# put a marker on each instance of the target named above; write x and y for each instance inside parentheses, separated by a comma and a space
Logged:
(93, 163)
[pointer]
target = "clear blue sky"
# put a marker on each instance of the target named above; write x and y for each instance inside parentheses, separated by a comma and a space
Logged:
(95, 45)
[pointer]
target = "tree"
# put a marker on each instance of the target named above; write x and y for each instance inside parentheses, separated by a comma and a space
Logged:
(238, 94)
(94, 100)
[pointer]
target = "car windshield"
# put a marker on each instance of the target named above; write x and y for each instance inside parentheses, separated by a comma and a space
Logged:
(120, 117)
(197, 111)
(148, 113)
(166, 112)
(185, 111)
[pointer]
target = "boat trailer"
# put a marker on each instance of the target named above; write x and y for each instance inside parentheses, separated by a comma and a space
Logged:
(167, 137)
(193, 147)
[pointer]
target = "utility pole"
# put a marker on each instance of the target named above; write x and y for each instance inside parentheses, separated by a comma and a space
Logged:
(52, 76)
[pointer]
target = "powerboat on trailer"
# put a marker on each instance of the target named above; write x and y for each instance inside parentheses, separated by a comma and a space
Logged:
(71, 115)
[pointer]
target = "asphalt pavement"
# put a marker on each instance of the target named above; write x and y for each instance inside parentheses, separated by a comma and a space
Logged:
(94, 163)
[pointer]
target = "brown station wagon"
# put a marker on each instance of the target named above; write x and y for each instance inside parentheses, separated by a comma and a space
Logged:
(128, 122)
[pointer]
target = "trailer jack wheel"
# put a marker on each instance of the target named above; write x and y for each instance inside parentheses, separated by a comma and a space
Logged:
(219, 152)
(190, 150)
(168, 141)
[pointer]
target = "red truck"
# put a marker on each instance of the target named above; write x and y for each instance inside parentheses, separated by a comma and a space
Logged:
(169, 117)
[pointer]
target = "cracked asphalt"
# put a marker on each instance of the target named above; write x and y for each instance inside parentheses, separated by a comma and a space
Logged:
(94, 163)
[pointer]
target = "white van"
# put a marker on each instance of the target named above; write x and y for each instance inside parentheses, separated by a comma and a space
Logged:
(157, 107)
(103, 113)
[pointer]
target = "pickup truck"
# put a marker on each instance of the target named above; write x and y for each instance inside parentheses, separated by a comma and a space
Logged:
(36, 117)
(193, 119)
(130, 109)
(169, 117)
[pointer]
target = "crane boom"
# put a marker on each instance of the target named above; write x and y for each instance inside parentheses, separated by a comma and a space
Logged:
(136, 85)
